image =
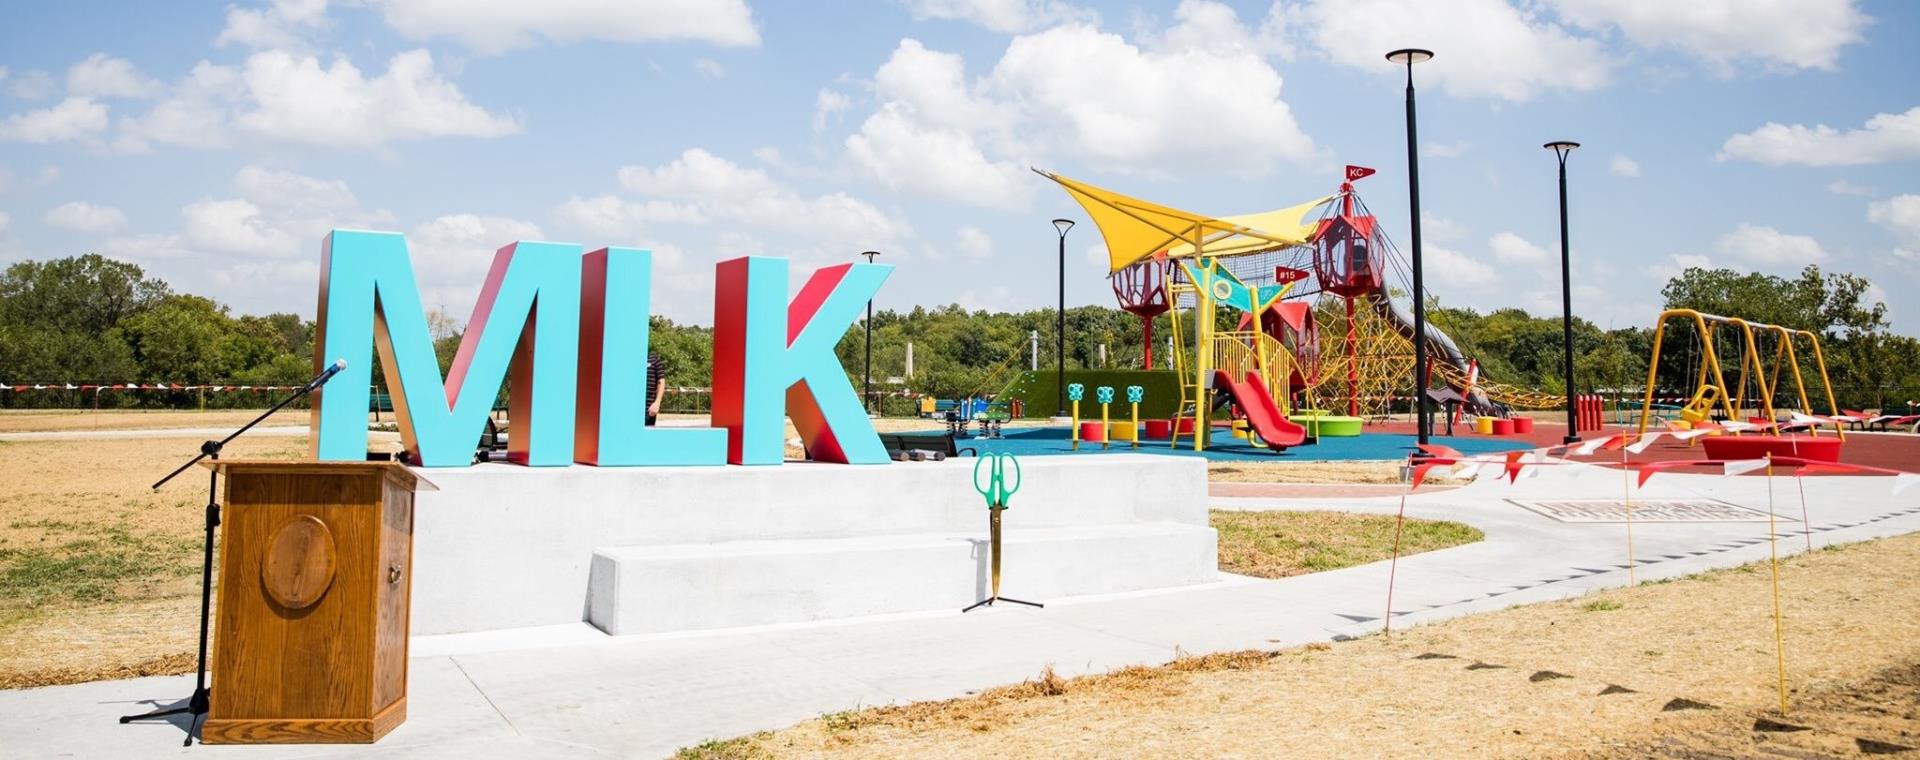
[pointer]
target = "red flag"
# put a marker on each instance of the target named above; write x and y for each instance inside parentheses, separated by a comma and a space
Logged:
(1357, 172)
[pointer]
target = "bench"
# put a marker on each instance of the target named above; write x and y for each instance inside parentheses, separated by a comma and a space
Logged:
(939, 443)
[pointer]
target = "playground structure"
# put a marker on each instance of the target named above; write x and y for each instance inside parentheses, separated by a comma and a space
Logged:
(1712, 396)
(1316, 323)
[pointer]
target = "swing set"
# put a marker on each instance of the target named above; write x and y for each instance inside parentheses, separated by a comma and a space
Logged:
(1712, 394)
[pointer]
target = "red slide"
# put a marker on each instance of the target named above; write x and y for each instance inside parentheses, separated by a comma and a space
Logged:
(1251, 396)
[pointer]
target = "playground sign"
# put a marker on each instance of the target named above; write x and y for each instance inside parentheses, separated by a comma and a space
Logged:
(569, 330)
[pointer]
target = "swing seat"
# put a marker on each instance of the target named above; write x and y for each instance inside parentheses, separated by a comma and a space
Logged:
(1700, 409)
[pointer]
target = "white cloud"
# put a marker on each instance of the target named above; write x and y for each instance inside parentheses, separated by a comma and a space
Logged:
(278, 214)
(234, 226)
(1510, 248)
(104, 76)
(259, 251)
(723, 191)
(1762, 245)
(1884, 139)
(973, 243)
(81, 216)
(827, 105)
(710, 68)
(195, 114)
(1063, 84)
(903, 155)
(1624, 166)
(72, 119)
(1453, 149)
(283, 189)
(1843, 187)
(619, 221)
(451, 255)
(1673, 265)
(934, 85)
(282, 97)
(1213, 26)
(1004, 16)
(1484, 48)
(34, 84)
(1455, 271)
(1901, 216)
(1440, 229)
(1787, 33)
(938, 133)
(336, 106)
(496, 26)
(10, 181)
(281, 26)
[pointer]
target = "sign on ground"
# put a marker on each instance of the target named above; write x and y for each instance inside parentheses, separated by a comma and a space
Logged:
(1644, 510)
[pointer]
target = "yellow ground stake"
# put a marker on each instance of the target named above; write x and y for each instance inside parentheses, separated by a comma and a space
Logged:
(1626, 490)
(1779, 637)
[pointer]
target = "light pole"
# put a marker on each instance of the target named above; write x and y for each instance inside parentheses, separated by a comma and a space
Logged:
(867, 386)
(1408, 57)
(1060, 324)
(1560, 150)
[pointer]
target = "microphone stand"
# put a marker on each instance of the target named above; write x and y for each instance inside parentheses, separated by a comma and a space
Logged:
(197, 705)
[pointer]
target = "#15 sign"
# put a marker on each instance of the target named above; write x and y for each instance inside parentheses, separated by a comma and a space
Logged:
(568, 328)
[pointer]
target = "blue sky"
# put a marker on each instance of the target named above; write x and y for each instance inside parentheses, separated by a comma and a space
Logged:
(216, 144)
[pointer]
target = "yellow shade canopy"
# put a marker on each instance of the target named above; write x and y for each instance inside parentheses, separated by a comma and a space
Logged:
(1283, 228)
(1136, 229)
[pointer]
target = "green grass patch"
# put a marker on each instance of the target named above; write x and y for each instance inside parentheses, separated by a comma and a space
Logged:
(75, 563)
(742, 748)
(1280, 544)
(1601, 605)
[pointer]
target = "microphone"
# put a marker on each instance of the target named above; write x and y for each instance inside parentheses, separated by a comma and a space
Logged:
(324, 376)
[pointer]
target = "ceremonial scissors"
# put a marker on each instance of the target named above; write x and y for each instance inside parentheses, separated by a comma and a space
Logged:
(997, 490)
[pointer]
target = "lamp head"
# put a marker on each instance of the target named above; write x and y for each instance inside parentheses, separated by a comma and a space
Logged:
(1561, 148)
(869, 255)
(1063, 225)
(1410, 56)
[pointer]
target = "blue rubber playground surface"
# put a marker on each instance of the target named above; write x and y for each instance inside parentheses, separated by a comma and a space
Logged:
(1224, 448)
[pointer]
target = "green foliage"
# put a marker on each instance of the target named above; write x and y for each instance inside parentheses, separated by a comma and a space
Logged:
(89, 319)
(1039, 393)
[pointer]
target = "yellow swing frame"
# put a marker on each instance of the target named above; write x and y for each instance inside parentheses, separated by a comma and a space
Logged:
(1766, 380)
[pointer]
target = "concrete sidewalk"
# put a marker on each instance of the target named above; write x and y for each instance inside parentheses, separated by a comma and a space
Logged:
(568, 690)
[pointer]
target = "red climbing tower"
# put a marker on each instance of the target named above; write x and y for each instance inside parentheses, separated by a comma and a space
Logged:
(1141, 290)
(1346, 259)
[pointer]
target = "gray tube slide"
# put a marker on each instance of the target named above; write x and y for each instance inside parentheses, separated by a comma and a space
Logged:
(1439, 345)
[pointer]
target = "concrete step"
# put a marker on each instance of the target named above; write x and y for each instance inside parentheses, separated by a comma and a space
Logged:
(680, 587)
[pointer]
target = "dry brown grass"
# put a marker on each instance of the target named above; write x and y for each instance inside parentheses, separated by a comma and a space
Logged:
(98, 573)
(1281, 544)
(53, 420)
(1527, 682)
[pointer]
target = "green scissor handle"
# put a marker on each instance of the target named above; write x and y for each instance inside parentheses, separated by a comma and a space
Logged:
(996, 490)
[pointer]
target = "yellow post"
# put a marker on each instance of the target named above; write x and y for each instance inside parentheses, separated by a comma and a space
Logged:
(1136, 424)
(1106, 428)
(1820, 360)
(1075, 429)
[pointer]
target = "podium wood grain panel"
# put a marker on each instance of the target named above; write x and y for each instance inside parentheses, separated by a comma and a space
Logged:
(327, 669)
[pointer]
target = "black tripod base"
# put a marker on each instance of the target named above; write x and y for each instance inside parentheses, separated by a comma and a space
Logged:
(988, 602)
(196, 706)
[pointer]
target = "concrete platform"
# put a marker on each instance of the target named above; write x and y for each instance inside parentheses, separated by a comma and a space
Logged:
(570, 690)
(503, 547)
(657, 589)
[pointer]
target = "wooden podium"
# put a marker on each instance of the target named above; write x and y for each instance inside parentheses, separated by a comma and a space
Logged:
(310, 638)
